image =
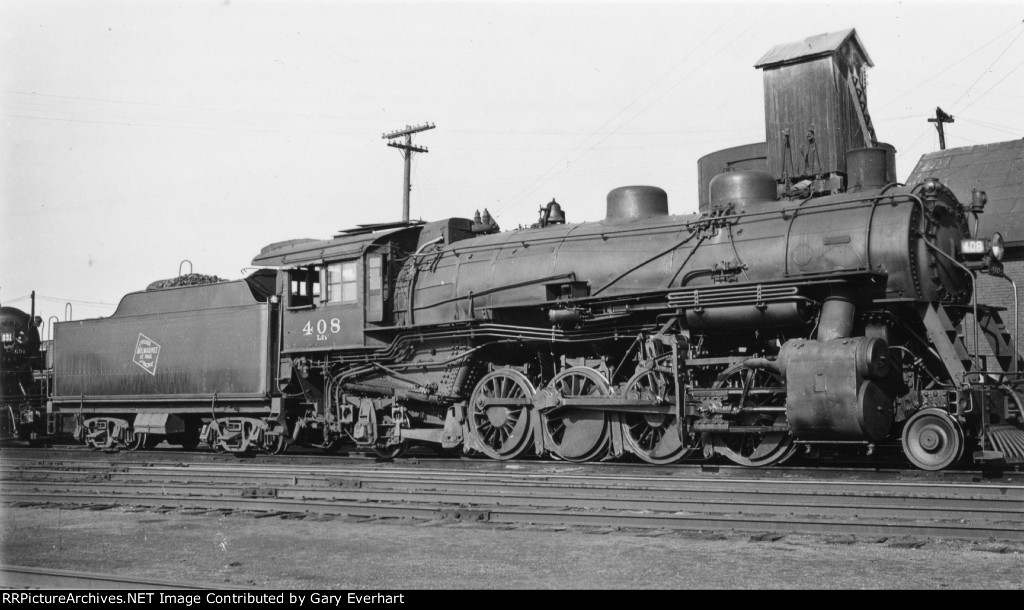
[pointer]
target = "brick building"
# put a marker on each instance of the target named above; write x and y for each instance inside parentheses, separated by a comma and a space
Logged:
(997, 169)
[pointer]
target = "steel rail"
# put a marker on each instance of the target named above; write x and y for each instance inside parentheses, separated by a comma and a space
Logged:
(604, 487)
(867, 470)
(273, 507)
(489, 467)
(28, 577)
(695, 500)
(328, 476)
(423, 492)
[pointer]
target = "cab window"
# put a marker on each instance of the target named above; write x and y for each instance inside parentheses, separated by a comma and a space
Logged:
(373, 275)
(341, 282)
(303, 286)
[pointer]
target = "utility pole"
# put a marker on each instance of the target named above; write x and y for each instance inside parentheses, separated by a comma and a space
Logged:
(407, 150)
(940, 118)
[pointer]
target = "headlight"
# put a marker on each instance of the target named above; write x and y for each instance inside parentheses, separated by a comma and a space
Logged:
(997, 246)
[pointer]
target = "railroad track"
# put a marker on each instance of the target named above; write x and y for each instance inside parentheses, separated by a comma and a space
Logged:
(860, 469)
(884, 505)
(25, 577)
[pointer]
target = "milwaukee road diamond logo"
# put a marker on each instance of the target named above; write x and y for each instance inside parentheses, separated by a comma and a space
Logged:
(147, 351)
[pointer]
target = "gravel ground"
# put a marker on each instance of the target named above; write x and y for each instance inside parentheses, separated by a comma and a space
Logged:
(350, 554)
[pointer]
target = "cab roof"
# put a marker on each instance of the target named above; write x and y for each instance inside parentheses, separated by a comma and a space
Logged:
(295, 253)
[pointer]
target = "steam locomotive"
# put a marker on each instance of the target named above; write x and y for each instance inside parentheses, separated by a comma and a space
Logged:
(21, 375)
(812, 301)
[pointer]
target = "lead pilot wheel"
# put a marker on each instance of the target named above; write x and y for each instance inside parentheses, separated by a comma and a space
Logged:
(577, 435)
(500, 415)
(932, 439)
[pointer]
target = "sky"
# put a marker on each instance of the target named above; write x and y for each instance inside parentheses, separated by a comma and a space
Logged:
(140, 139)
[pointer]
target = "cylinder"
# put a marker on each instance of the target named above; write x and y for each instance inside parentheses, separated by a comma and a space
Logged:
(828, 396)
(869, 355)
(742, 188)
(867, 168)
(628, 203)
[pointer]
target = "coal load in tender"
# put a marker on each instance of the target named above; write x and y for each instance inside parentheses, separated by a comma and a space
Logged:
(189, 279)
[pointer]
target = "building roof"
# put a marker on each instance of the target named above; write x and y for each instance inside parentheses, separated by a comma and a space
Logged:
(997, 169)
(813, 46)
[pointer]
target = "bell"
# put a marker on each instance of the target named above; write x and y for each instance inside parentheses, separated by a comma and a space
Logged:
(555, 213)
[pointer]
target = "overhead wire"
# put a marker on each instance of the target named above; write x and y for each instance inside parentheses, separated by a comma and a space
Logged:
(979, 98)
(923, 135)
(955, 136)
(946, 69)
(929, 129)
(986, 70)
(675, 144)
(74, 301)
(666, 92)
(545, 174)
(21, 298)
(976, 100)
(231, 111)
(507, 132)
(583, 172)
(996, 126)
(132, 123)
(102, 111)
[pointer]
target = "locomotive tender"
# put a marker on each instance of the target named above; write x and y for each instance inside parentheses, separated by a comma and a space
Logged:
(811, 301)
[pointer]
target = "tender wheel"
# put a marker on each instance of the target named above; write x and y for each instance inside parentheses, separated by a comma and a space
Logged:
(932, 439)
(654, 438)
(213, 440)
(500, 415)
(189, 439)
(755, 449)
(392, 451)
(577, 435)
(334, 446)
(278, 446)
(140, 440)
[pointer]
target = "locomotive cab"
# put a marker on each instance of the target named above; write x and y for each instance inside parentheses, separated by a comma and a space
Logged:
(321, 305)
(332, 288)
(345, 295)
(347, 300)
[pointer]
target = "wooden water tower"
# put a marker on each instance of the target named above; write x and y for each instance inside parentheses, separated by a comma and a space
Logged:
(815, 106)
